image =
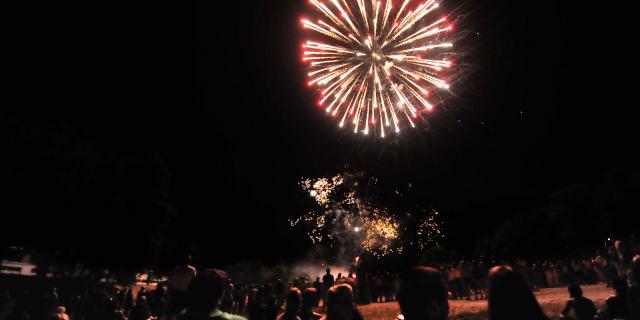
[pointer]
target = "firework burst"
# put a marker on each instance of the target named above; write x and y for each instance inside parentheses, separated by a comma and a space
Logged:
(345, 217)
(381, 234)
(377, 62)
(429, 231)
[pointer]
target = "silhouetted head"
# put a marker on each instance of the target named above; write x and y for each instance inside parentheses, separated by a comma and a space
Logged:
(510, 297)
(575, 291)
(309, 298)
(620, 286)
(205, 290)
(328, 270)
(292, 301)
(340, 303)
(634, 271)
(185, 260)
(423, 294)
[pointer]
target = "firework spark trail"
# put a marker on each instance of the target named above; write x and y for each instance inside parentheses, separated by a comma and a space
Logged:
(370, 67)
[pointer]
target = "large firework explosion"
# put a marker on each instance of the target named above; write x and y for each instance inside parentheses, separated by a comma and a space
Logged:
(344, 216)
(376, 62)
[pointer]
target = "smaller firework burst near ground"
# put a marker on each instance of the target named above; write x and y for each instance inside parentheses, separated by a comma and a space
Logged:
(345, 217)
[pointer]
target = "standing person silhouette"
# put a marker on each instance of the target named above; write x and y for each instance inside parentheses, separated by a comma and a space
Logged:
(179, 281)
(327, 283)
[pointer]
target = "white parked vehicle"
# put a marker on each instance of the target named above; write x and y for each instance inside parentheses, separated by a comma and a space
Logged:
(17, 268)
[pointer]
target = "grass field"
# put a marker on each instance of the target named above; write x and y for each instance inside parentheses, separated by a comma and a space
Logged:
(552, 301)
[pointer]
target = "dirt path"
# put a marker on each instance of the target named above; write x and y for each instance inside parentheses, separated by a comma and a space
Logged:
(552, 301)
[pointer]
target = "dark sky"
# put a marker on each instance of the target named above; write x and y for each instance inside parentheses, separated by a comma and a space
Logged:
(215, 89)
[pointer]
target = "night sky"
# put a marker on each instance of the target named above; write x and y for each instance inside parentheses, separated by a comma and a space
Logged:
(213, 95)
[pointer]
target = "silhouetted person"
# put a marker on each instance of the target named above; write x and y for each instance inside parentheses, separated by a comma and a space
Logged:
(616, 307)
(141, 310)
(328, 280)
(327, 283)
(280, 291)
(422, 295)
(309, 301)
(254, 309)
(239, 299)
(340, 304)
(634, 289)
(318, 286)
(128, 301)
(293, 299)
(204, 296)
(227, 299)
(142, 293)
(178, 285)
(159, 300)
(272, 308)
(579, 307)
(510, 297)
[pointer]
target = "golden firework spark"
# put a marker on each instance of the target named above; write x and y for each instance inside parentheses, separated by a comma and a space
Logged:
(321, 189)
(381, 231)
(370, 67)
(429, 231)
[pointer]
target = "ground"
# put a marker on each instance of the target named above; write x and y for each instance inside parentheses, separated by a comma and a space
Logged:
(552, 301)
